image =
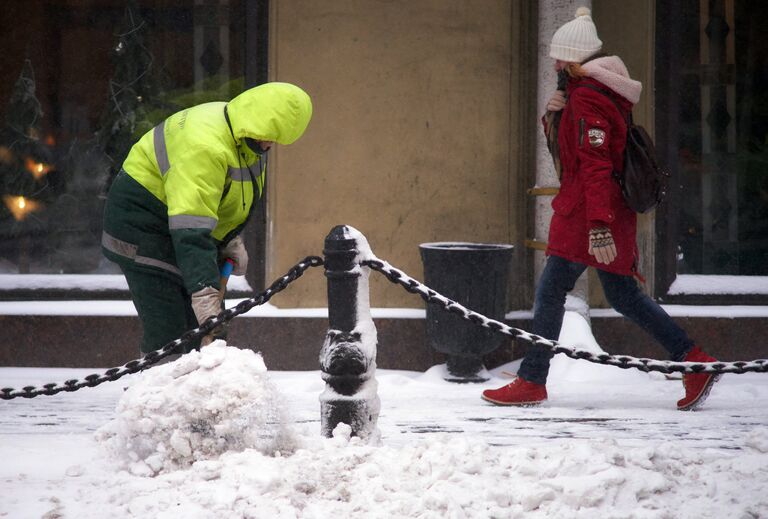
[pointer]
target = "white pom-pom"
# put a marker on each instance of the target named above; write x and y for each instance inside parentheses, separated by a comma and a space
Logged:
(583, 11)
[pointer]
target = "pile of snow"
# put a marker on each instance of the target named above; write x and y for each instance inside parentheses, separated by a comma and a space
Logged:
(457, 476)
(579, 336)
(206, 437)
(206, 403)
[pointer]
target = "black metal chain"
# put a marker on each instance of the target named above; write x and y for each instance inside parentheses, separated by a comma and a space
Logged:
(430, 296)
(411, 285)
(156, 356)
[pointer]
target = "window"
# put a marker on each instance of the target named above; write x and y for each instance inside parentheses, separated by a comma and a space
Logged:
(80, 82)
(712, 130)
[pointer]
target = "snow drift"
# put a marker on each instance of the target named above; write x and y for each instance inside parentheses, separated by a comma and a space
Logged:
(206, 403)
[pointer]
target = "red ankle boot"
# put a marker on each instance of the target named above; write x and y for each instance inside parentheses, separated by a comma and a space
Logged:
(697, 385)
(518, 392)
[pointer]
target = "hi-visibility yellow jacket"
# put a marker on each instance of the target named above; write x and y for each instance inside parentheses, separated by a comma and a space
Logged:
(189, 184)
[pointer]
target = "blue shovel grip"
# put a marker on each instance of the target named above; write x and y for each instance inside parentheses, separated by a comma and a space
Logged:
(227, 267)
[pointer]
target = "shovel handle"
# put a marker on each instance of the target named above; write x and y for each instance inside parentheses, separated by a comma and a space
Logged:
(225, 272)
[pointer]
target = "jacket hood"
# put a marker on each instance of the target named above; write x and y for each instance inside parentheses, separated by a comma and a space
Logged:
(612, 72)
(278, 112)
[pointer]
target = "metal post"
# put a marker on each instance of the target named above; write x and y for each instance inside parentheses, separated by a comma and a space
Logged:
(348, 355)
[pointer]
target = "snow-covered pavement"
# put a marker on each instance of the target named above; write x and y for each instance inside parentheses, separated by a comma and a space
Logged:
(608, 444)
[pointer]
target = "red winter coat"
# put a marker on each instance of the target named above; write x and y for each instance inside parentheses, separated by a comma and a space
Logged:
(591, 138)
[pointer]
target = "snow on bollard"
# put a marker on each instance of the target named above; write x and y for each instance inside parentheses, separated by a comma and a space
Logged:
(348, 355)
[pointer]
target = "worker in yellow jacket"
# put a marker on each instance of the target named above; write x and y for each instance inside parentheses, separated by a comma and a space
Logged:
(186, 190)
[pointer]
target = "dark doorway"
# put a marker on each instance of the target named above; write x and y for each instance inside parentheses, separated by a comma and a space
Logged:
(712, 129)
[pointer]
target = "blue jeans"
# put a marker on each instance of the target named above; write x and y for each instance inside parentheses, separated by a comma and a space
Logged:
(623, 294)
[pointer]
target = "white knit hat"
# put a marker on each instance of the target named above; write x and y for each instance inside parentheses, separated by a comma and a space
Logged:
(576, 40)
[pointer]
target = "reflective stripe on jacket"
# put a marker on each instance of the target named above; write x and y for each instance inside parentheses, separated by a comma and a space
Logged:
(199, 179)
(190, 163)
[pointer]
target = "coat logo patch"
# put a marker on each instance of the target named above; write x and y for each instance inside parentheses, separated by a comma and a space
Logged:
(596, 137)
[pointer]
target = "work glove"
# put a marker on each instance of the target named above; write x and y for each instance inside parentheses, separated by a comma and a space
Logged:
(601, 245)
(206, 303)
(556, 102)
(235, 250)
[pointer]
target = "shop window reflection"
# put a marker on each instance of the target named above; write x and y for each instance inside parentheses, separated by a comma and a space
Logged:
(75, 98)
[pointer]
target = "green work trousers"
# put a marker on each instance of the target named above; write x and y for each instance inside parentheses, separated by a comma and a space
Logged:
(163, 305)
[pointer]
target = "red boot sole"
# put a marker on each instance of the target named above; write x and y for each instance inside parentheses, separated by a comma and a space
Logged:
(513, 404)
(699, 400)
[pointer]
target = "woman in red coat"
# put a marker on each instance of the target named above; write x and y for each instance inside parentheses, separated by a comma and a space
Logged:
(592, 224)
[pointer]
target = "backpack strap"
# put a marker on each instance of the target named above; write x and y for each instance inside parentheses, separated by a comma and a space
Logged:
(608, 94)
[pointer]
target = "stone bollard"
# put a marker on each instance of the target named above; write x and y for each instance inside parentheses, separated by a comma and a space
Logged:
(348, 355)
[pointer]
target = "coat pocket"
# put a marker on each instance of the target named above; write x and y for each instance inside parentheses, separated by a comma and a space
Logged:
(565, 202)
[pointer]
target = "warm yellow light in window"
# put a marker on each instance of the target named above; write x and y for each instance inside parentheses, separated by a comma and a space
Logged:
(38, 169)
(19, 206)
(6, 155)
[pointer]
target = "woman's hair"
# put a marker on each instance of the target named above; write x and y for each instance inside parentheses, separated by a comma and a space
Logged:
(574, 70)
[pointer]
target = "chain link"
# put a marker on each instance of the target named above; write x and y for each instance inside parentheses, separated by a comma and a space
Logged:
(156, 356)
(399, 277)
